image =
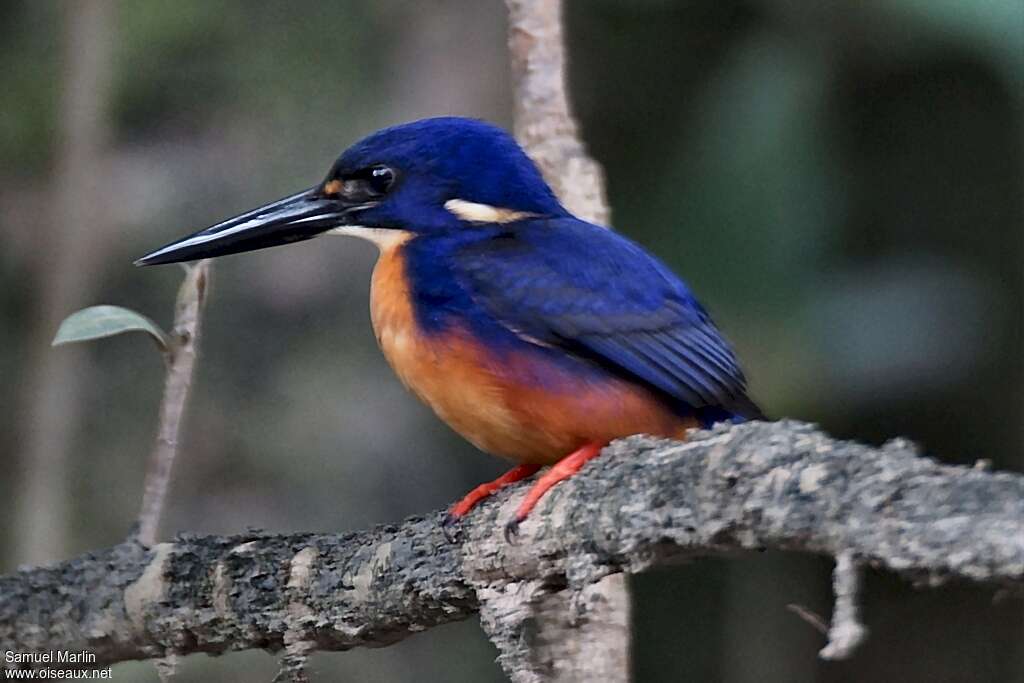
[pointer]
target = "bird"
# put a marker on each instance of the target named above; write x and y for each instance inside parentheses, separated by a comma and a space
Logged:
(537, 336)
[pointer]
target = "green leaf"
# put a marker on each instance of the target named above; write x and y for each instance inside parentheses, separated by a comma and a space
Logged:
(97, 322)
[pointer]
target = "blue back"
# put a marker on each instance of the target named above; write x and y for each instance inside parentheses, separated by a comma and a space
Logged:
(586, 294)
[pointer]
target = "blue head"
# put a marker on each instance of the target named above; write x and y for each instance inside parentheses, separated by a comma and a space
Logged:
(433, 175)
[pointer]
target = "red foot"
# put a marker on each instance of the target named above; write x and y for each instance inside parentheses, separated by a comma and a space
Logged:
(483, 490)
(563, 469)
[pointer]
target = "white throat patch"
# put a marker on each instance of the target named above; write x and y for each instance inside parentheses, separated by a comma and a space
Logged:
(384, 238)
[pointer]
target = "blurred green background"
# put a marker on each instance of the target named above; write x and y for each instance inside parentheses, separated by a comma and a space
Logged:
(842, 183)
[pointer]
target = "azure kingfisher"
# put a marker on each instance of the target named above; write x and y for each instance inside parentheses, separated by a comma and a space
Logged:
(537, 336)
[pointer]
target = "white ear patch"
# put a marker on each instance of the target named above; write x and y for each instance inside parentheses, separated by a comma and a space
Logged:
(484, 213)
(384, 238)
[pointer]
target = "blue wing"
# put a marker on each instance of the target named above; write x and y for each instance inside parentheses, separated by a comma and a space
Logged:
(595, 294)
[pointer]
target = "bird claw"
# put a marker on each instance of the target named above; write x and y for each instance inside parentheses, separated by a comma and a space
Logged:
(452, 528)
(512, 531)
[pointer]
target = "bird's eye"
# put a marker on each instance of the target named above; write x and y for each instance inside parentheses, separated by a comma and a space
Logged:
(380, 179)
(365, 185)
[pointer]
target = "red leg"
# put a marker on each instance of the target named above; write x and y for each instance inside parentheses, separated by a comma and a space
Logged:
(468, 501)
(563, 469)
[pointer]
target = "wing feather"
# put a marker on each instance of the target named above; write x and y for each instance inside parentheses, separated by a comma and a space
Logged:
(595, 294)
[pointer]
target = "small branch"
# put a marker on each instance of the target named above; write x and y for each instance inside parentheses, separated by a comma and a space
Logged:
(846, 632)
(544, 123)
(643, 503)
(180, 360)
(543, 632)
(812, 618)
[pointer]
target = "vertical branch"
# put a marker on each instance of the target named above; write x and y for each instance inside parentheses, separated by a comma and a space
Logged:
(567, 634)
(846, 631)
(69, 259)
(181, 359)
(544, 123)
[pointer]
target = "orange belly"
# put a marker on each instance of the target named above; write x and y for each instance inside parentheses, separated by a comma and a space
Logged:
(491, 400)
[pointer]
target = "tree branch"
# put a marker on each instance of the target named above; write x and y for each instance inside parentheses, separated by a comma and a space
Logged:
(846, 632)
(544, 124)
(180, 359)
(643, 503)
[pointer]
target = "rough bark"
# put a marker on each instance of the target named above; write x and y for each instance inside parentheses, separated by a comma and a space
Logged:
(641, 504)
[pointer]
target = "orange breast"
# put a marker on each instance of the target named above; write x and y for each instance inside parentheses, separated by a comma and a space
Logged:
(491, 400)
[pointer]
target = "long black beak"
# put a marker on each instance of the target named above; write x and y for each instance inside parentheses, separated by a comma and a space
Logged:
(299, 217)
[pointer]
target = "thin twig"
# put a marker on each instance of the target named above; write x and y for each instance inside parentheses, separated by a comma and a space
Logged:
(181, 359)
(812, 618)
(846, 631)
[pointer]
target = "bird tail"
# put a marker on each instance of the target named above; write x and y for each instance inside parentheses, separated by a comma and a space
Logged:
(740, 410)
